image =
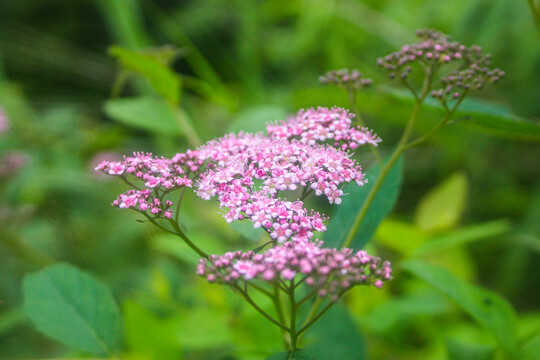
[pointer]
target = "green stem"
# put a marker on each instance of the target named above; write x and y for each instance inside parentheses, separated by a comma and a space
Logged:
(317, 317)
(118, 84)
(292, 327)
(438, 127)
(184, 237)
(536, 13)
(279, 309)
(261, 311)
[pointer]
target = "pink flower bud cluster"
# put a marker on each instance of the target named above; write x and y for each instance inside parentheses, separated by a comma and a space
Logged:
(158, 176)
(320, 125)
(4, 122)
(330, 272)
(11, 163)
(434, 50)
(348, 79)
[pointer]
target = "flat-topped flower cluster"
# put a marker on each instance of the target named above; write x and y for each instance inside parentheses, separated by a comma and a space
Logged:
(248, 174)
(330, 272)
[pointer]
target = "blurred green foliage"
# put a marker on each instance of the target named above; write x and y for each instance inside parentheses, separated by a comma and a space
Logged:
(468, 210)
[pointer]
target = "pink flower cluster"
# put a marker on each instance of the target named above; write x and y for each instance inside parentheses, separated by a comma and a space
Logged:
(319, 125)
(277, 165)
(159, 177)
(330, 272)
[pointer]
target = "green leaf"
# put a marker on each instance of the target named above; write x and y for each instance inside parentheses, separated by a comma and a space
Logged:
(146, 113)
(404, 309)
(400, 236)
(441, 208)
(480, 115)
(458, 350)
(463, 236)
(490, 310)
(336, 336)
(254, 119)
(165, 81)
(382, 204)
(72, 307)
(298, 354)
(531, 349)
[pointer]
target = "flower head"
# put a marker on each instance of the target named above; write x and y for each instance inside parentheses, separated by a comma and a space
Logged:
(321, 125)
(330, 272)
(348, 79)
(436, 50)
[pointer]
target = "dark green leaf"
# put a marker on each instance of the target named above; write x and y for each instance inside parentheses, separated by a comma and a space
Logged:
(463, 351)
(146, 113)
(298, 354)
(384, 201)
(165, 81)
(490, 310)
(481, 115)
(72, 307)
(336, 336)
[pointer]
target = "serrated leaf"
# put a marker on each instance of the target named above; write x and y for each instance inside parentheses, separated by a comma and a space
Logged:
(72, 307)
(336, 336)
(458, 350)
(442, 207)
(145, 113)
(384, 201)
(165, 81)
(299, 354)
(490, 310)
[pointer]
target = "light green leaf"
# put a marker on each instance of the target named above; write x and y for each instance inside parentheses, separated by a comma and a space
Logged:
(72, 307)
(165, 81)
(458, 350)
(298, 354)
(384, 201)
(146, 113)
(336, 336)
(254, 119)
(400, 236)
(490, 310)
(441, 209)
(10, 319)
(463, 236)
(531, 349)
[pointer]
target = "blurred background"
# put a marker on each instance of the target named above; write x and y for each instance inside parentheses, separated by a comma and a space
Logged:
(69, 104)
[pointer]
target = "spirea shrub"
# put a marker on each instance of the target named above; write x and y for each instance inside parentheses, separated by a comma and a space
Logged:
(264, 179)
